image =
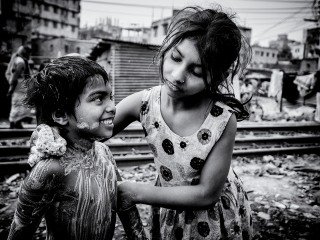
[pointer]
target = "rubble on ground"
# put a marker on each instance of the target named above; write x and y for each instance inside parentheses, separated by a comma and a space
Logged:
(284, 192)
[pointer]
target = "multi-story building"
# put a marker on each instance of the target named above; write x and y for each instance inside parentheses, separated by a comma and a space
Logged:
(262, 56)
(297, 50)
(104, 29)
(55, 18)
(159, 30)
(25, 20)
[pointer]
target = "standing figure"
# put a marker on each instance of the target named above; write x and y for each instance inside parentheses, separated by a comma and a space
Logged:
(190, 126)
(73, 181)
(246, 91)
(18, 70)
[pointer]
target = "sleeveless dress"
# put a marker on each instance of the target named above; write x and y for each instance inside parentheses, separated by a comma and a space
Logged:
(178, 161)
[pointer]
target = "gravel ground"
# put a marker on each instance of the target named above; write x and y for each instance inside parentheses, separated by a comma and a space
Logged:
(283, 191)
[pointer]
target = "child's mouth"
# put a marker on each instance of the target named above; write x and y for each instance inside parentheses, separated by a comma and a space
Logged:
(172, 86)
(107, 122)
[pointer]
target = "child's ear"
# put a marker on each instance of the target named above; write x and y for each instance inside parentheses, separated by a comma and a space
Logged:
(60, 117)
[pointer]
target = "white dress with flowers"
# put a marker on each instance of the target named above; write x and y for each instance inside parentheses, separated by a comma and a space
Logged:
(178, 162)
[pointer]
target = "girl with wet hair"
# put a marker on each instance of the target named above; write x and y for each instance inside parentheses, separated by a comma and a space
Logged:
(73, 181)
(190, 124)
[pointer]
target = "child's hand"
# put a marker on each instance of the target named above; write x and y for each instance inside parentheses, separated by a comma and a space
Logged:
(125, 195)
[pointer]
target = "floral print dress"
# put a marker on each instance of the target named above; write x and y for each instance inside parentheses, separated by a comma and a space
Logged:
(178, 162)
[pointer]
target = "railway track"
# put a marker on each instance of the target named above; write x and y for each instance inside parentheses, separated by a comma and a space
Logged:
(252, 139)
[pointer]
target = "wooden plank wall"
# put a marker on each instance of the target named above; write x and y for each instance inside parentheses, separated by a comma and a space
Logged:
(134, 69)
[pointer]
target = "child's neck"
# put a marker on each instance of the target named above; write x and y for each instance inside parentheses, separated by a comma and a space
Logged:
(187, 103)
(81, 145)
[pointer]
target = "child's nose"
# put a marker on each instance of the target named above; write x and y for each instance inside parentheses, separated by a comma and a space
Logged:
(111, 107)
(179, 74)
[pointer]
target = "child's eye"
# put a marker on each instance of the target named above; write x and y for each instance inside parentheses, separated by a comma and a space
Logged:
(98, 99)
(175, 58)
(111, 96)
(197, 74)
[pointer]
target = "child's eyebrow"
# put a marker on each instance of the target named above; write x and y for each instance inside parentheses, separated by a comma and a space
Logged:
(195, 64)
(99, 92)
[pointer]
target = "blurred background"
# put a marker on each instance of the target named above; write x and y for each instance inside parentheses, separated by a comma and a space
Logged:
(123, 35)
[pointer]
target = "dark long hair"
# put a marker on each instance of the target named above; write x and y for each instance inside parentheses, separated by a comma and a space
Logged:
(58, 86)
(222, 48)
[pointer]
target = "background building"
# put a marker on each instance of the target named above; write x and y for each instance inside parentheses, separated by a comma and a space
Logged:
(45, 49)
(297, 50)
(263, 56)
(159, 30)
(128, 64)
(23, 21)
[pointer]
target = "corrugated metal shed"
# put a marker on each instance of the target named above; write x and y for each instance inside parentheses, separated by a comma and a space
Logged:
(129, 65)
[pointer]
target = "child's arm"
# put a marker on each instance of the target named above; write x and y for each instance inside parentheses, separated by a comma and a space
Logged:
(201, 196)
(131, 220)
(128, 111)
(132, 224)
(35, 197)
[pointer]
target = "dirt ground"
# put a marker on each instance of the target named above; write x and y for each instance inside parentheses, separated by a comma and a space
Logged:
(284, 192)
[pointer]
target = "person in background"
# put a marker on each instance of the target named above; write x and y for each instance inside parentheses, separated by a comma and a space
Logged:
(190, 125)
(246, 91)
(73, 181)
(18, 70)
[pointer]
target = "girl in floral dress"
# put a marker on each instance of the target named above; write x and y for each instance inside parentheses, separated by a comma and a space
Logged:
(190, 125)
(73, 181)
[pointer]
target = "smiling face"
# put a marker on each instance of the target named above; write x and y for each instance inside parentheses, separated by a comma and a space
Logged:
(182, 70)
(94, 112)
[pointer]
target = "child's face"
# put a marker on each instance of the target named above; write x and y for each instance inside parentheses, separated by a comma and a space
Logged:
(182, 70)
(94, 112)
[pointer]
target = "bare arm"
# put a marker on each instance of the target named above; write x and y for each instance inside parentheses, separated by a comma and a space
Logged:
(213, 177)
(36, 194)
(128, 111)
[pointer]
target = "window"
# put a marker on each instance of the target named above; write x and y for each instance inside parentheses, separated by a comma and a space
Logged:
(46, 7)
(267, 54)
(73, 14)
(261, 54)
(55, 9)
(73, 28)
(78, 50)
(51, 48)
(165, 28)
(39, 20)
(257, 52)
(155, 31)
(54, 25)
(66, 48)
(273, 55)
(46, 23)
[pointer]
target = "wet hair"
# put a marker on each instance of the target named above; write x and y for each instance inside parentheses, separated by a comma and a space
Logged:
(57, 88)
(218, 41)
